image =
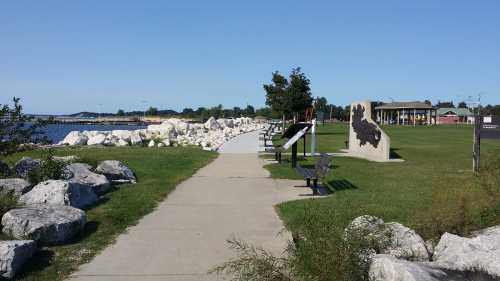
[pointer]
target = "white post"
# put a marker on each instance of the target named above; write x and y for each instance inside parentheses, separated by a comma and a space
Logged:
(313, 138)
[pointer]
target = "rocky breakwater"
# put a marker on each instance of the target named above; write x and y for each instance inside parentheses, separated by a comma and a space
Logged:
(172, 132)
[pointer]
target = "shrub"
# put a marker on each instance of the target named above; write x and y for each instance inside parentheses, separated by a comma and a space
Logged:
(320, 251)
(461, 207)
(50, 169)
(8, 200)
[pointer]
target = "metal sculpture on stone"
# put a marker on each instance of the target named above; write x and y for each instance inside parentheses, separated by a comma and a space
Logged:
(366, 139)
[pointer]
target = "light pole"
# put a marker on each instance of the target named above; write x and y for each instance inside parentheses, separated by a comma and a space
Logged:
(144, 102)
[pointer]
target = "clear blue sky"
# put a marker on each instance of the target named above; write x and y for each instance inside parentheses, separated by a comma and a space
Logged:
(70, 56)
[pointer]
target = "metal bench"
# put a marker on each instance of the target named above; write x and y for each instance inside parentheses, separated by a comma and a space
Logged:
(268, 134)
(321, 168)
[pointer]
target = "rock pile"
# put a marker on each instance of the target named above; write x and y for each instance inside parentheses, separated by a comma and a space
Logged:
(51, 210)
(408, 258)
(172, 132)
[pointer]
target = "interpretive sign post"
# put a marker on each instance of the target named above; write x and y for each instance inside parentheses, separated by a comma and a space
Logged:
(486, 127)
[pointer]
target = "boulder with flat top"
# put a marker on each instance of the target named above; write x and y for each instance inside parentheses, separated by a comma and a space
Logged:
(115, 170)
(81, 173)
(60, 193)
(48, 225)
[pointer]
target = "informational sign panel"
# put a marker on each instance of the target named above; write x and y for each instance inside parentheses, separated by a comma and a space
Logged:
(295, 138)
(490, 127)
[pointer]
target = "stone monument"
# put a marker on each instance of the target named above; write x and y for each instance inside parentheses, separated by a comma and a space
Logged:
(366, 139)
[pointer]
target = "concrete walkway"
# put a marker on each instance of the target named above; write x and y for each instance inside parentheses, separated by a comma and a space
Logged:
(186, 235)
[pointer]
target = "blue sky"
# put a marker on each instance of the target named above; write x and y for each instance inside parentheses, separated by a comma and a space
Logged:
(70, 56)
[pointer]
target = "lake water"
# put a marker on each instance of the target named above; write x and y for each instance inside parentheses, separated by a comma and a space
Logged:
(57, 132)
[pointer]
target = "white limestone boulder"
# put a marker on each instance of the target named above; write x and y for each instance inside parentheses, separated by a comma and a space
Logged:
(164, 130)
(405, 243)
(97, 139)
(75, 138)
(135, 138)
(115, 170)
(48, 225)
(13, 255)
(394, 238)
(367, 224)
(477, 254)
(60, 193)
(389, 268)
(25, 165)
(16, 185)
(81, 173)
(212, 124)
(122, 142)
(122, 134)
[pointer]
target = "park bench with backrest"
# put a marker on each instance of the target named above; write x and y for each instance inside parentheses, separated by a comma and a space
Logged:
(268, 134)
(320, 170)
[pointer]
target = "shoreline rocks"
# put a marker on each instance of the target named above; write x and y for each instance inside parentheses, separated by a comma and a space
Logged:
(48, 225)
(172, 132)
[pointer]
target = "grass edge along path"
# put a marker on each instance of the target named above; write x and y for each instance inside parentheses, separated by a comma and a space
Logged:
(158, 171)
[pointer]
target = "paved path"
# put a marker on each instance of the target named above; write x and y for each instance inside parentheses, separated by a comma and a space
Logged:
(186, 235)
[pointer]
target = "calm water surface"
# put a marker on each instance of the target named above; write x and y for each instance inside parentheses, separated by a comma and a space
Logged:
(57, 132)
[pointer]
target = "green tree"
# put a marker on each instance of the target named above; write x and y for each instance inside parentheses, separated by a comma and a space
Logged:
(276, 93)
(299, 92)
(120, 112)
(17, 128)
(462, 104)
(188, 112)
(237, 111)
(216, 111)
(288, 97)
(152, 111)
(249, 111)
(321, 104)
(445, 104)
(264, 112)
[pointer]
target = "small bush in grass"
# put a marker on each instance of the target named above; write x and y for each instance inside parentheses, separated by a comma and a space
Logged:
(8, 200)
(50, 169)
(320, 251)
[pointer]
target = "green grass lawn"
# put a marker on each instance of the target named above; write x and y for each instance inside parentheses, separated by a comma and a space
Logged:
(158, 171)
(432, 191)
